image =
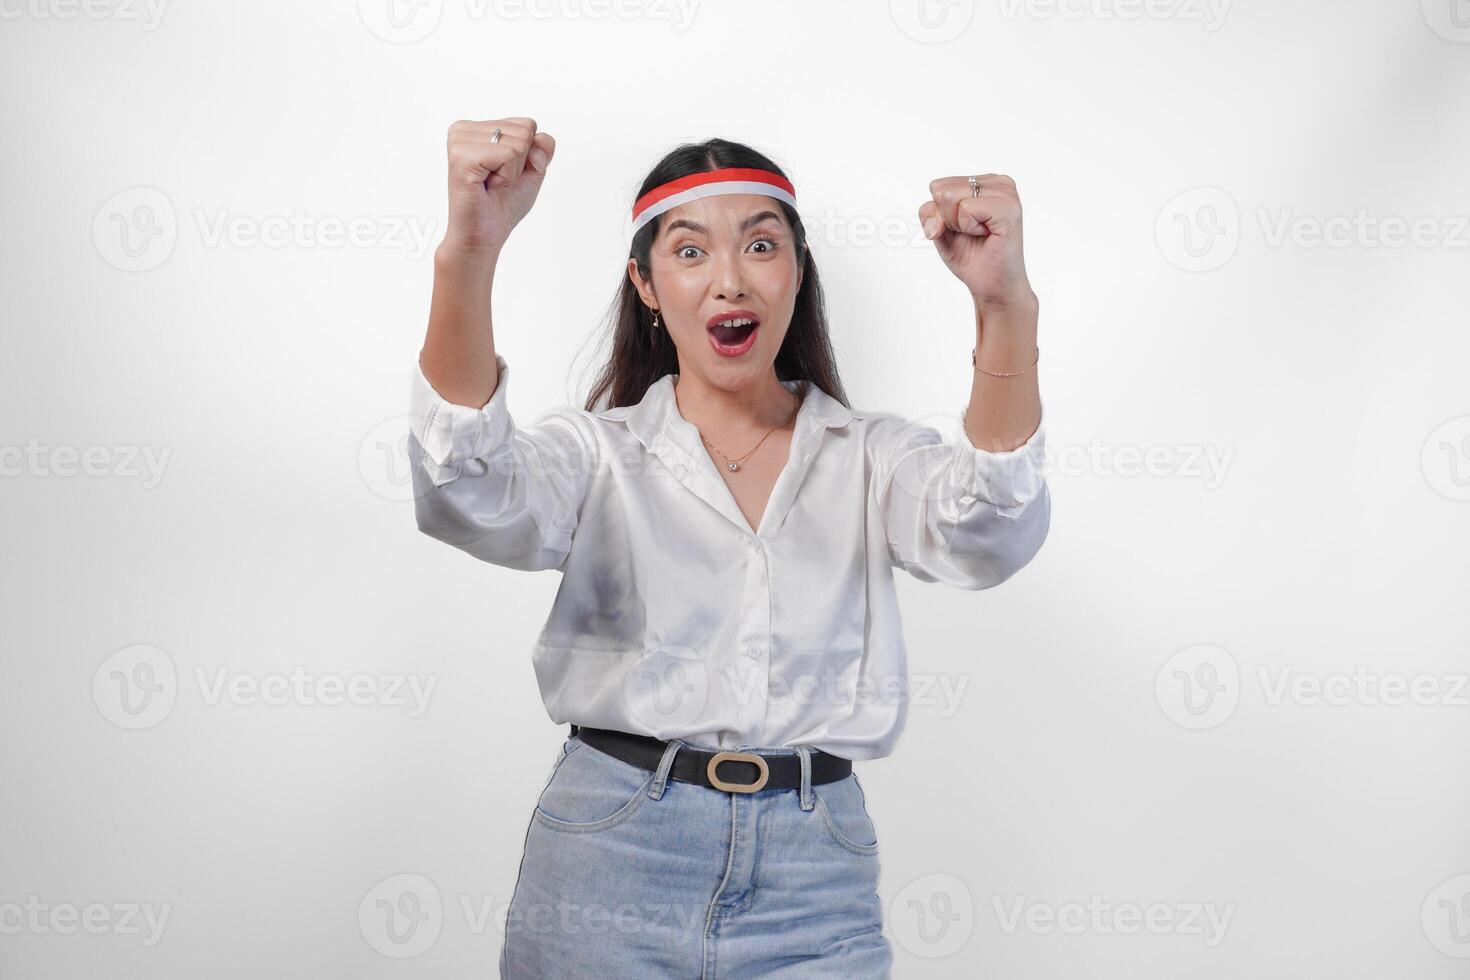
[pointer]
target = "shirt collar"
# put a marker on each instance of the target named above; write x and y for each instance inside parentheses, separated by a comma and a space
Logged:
(656, 416)
(655, 421)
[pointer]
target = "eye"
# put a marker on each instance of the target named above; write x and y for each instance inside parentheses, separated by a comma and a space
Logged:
(773, 243)
(685, 247)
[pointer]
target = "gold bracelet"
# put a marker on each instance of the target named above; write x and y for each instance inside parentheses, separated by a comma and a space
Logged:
(1003, 374)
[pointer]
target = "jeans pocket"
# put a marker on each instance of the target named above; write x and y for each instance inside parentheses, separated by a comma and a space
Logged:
(590, 790)
(844, 811)
(567, 747)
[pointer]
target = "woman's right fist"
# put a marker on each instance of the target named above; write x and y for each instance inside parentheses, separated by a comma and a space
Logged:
(493, 185)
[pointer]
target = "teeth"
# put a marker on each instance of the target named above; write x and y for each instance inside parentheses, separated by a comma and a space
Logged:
(740, 322)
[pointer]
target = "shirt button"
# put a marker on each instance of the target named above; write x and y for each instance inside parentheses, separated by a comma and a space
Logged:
(753, 651)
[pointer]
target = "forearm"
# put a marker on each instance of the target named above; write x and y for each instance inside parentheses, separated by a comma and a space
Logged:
(1004, 412)
(458, 356)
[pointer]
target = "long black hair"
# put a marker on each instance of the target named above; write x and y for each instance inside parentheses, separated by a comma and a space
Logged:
(640, 355)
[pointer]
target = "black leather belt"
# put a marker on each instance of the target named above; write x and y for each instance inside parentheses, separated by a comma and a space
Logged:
(694, 765)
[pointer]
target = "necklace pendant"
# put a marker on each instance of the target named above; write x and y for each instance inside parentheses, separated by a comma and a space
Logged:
(734, 465)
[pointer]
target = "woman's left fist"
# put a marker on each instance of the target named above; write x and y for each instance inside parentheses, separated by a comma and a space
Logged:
(979, 237)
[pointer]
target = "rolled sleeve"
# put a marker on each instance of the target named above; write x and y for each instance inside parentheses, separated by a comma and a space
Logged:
(952, 512)
(505, 493)
(451, 433)
(1007, 480)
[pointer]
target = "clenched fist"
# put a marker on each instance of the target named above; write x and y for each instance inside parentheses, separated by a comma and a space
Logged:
(978, 235)
(492, 185)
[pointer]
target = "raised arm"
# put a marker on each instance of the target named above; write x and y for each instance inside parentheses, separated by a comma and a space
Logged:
(504, 493)
(975, 224)
(971, 507)
(492, 185)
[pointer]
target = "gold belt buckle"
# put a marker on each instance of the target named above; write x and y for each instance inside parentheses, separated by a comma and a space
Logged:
(719, 757)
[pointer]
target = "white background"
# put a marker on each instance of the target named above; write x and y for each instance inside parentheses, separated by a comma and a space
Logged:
(1122, 736)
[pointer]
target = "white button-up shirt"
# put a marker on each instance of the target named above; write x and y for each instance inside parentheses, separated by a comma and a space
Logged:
(676, 618)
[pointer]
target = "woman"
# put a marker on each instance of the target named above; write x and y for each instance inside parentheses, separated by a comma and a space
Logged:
(725, 640)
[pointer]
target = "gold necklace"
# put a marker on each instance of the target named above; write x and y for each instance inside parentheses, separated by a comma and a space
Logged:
(734, 464)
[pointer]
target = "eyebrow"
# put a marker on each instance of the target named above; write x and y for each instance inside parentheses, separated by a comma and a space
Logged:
(695, 226)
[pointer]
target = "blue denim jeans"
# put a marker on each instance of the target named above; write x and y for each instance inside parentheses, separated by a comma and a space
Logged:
(627, 873)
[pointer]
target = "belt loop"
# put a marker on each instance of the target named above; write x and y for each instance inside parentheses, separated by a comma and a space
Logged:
(661, 776)
(805, 752)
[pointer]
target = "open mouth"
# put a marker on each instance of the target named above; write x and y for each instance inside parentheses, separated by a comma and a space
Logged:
(733, 333)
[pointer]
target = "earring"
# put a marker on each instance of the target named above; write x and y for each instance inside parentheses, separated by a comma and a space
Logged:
(655, 319)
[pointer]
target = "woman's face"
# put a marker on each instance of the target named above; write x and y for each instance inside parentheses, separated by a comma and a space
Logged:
(730, 254)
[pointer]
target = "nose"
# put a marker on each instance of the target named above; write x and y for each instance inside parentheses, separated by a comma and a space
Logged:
(727, 278)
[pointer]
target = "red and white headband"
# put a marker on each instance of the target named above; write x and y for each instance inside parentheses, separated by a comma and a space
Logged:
(727, 180)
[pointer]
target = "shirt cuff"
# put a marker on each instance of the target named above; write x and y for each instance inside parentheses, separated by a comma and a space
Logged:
(451, 433)
(1008, 480)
